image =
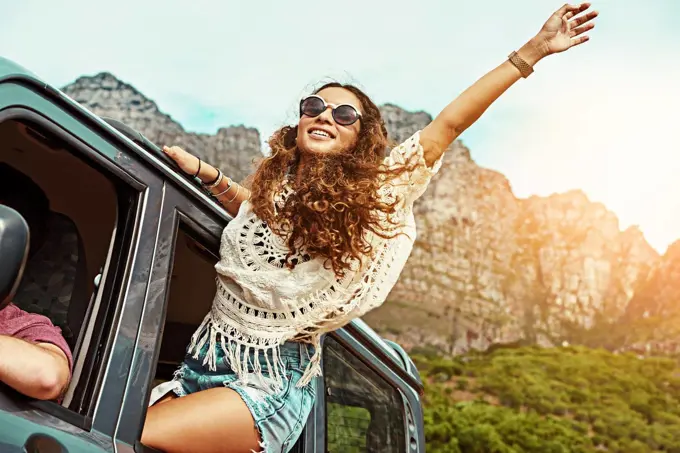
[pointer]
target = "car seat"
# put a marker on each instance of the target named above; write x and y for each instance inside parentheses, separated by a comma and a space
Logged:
(14, 238)
(55, 278)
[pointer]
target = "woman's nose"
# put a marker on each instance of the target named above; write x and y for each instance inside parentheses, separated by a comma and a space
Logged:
(327, 115)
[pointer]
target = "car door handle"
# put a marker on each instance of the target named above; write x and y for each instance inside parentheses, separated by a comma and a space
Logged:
(42, 443)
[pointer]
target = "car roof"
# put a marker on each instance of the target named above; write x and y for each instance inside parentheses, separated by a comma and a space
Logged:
(138, 144)
(131, 139)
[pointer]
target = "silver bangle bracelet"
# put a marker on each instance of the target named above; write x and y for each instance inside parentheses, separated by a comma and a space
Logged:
(229, 184)
(238, 189)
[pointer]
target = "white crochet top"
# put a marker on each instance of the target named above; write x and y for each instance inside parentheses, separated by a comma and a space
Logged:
(260, 303)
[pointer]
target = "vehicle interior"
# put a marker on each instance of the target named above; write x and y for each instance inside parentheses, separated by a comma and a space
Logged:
(192, 288)
(362, 409)
(77, 226)
(71, 209)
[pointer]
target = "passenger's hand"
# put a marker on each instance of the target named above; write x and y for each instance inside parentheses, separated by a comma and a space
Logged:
(564, 30)
(188, 163)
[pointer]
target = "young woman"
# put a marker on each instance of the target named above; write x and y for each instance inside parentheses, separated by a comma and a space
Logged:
(319, 239)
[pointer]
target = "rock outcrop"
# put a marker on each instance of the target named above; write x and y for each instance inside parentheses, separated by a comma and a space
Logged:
(489, 267)
(231, 148)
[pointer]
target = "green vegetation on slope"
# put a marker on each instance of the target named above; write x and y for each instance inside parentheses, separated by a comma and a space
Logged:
(553, 400)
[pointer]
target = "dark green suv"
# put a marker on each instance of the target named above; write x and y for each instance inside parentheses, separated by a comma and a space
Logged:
(138, 282)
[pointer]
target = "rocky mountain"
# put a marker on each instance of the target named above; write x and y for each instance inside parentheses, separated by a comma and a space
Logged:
(487, 267)
(658, 295)
(232, 148)
(652, 318)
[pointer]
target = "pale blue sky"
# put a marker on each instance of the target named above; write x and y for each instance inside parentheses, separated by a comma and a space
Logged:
(602, 117)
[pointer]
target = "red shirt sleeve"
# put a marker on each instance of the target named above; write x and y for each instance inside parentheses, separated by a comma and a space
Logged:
(33, 328)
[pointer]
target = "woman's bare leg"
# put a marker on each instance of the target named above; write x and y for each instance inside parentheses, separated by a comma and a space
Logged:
(211, 421)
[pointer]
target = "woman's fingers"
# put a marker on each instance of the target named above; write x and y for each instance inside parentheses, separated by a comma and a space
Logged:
(174, 151)
(187, 162)
(583, 19)
(579, 40)
(580, 30)
(178, 155)
(568, 11)
(169, 151)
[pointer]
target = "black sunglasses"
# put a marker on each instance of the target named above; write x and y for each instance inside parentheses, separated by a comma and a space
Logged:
(343, 114)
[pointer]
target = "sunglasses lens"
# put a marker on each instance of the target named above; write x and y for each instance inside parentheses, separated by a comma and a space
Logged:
(345, 115)
(312, 107)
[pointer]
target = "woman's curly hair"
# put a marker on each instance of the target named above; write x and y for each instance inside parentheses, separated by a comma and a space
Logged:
(336, 203)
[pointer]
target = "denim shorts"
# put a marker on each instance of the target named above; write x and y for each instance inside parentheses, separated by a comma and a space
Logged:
(280, 411)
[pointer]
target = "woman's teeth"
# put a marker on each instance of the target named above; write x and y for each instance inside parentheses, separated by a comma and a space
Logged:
(320, 133)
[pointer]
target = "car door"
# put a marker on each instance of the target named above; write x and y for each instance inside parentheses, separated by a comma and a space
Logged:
(188, 237)
(94, 183)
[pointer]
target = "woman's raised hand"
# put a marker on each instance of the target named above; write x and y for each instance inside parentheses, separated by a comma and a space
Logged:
(566, 28)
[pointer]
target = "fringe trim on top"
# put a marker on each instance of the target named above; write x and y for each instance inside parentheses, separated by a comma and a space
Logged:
(238, 348)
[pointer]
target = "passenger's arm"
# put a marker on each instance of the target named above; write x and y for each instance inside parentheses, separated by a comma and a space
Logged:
(562, 31)
(231, 199)
(39, 370)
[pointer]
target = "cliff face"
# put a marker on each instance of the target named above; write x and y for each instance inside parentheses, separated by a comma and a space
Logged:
(652, 317)
(487, 267)
(231, 147)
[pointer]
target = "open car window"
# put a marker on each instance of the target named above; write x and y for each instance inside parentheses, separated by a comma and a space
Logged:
(364, 412)
(79, 214)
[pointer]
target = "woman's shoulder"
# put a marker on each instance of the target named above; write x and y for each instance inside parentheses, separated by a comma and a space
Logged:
(408, 173)
(402, 150)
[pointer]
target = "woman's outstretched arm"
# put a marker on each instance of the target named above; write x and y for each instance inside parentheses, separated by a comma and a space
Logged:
(562, 31)
(228, 192)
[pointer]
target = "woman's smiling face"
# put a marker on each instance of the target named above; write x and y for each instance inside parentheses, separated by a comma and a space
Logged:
(321, 134)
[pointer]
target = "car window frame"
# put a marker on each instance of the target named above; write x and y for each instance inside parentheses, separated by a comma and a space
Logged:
(203, 223)
(364, 351)
(32, 108)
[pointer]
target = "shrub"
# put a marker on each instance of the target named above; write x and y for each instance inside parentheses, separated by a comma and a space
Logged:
(462, 384)
(555, 400)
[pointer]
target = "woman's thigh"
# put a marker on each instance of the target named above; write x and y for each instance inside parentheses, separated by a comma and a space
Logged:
(211, 421)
